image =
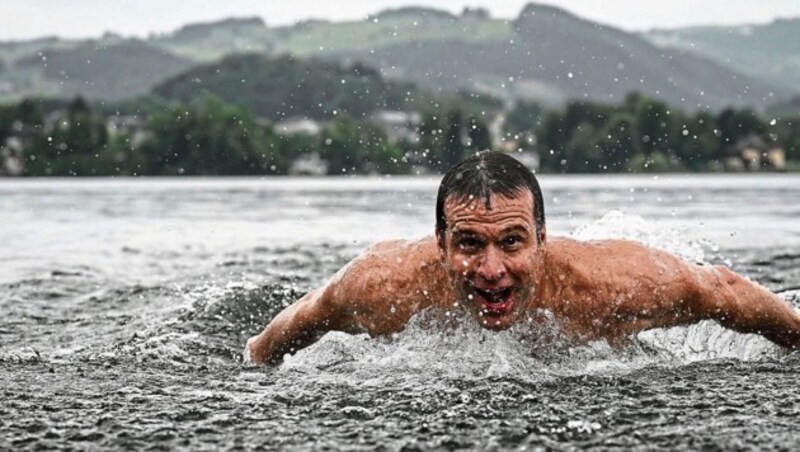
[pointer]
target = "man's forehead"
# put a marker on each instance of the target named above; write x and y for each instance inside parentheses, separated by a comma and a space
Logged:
(499, 206)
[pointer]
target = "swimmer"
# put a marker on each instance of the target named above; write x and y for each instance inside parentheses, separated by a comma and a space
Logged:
(491, 256)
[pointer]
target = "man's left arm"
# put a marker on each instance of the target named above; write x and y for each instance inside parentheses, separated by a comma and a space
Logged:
(744, 306)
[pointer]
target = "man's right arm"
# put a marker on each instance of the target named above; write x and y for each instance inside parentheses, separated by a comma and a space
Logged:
(354, 300)
(299, 326)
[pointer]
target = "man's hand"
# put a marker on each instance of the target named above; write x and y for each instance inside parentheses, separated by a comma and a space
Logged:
(297, 326)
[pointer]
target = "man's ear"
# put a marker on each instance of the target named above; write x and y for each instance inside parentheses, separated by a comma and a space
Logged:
(543, 236)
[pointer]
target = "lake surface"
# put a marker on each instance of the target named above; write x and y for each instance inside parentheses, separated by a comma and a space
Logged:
(126, 304)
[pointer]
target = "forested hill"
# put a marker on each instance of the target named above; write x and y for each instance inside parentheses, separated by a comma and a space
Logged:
(104, 70)
(552, 55)
(279, 88)
(545, 54)
(768, 51)
(205, 42)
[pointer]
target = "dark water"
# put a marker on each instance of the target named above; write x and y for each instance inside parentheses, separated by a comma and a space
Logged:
(125, 307)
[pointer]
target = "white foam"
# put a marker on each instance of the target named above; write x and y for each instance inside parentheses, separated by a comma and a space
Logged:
(469, 350)
(247, 357)
(619, 225)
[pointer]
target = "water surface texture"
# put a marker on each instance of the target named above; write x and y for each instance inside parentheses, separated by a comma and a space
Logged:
(126, 303)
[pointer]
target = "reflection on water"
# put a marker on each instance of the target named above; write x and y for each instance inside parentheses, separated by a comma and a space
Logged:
(126, 306)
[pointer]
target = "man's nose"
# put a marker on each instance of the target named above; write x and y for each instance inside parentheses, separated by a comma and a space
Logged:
(491, 267)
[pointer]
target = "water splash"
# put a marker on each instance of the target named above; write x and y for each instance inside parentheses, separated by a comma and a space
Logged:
(619, 225)
(530, 352)
(471, 350)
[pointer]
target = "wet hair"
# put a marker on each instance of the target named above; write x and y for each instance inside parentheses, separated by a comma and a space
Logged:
(484, 174)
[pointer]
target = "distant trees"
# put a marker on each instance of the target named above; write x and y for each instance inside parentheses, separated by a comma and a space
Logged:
(790, 133)
(202, 137)
(478, 133)
(207, 136)
(283, 87)
(449, 133)
(524, 116)
(352, 146)
(69, 142)
(641, 134)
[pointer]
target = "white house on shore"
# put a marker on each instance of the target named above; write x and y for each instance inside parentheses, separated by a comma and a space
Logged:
(298, 125)
(12, 157)
(308, 165)
(399, 125)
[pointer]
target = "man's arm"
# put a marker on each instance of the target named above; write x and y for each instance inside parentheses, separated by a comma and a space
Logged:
(747, 307)
(298, 326)
(377, 293)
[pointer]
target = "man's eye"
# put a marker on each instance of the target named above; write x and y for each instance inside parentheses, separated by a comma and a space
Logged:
(512, 241)
(469, 244)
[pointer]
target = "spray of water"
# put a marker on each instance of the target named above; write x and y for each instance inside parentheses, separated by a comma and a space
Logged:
(444, 345)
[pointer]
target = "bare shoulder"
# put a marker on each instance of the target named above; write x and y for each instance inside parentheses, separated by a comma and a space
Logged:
(613, 287)
(619, 261)
(400, 276)
(388, 261)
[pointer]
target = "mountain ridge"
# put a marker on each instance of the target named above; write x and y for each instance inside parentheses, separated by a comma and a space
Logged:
(545, 53)
(770, 51)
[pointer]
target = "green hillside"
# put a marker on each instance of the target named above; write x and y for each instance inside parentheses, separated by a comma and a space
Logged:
(277, 88)
(789, 107)
(13, 50)
(102, 71)
(390, 28)
(204, 42)
(770, 52)
(545, 54)
(555, 56)
(17, 82)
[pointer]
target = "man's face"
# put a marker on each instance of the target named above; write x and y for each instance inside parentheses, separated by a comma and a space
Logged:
(492, 256)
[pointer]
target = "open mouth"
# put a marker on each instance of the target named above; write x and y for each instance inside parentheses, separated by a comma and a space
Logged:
(495, 301)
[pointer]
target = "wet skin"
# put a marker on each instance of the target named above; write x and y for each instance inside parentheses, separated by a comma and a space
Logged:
(492, 261)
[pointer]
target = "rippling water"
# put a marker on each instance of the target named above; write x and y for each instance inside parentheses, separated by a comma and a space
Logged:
(126, 303)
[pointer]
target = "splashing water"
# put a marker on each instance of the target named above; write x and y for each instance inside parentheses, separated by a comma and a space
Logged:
(618, 225)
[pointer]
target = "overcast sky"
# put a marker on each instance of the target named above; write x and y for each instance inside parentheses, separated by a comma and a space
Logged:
(24, 19)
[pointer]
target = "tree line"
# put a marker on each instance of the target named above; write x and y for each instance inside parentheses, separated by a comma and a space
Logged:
(644, 134)
(209, 137)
